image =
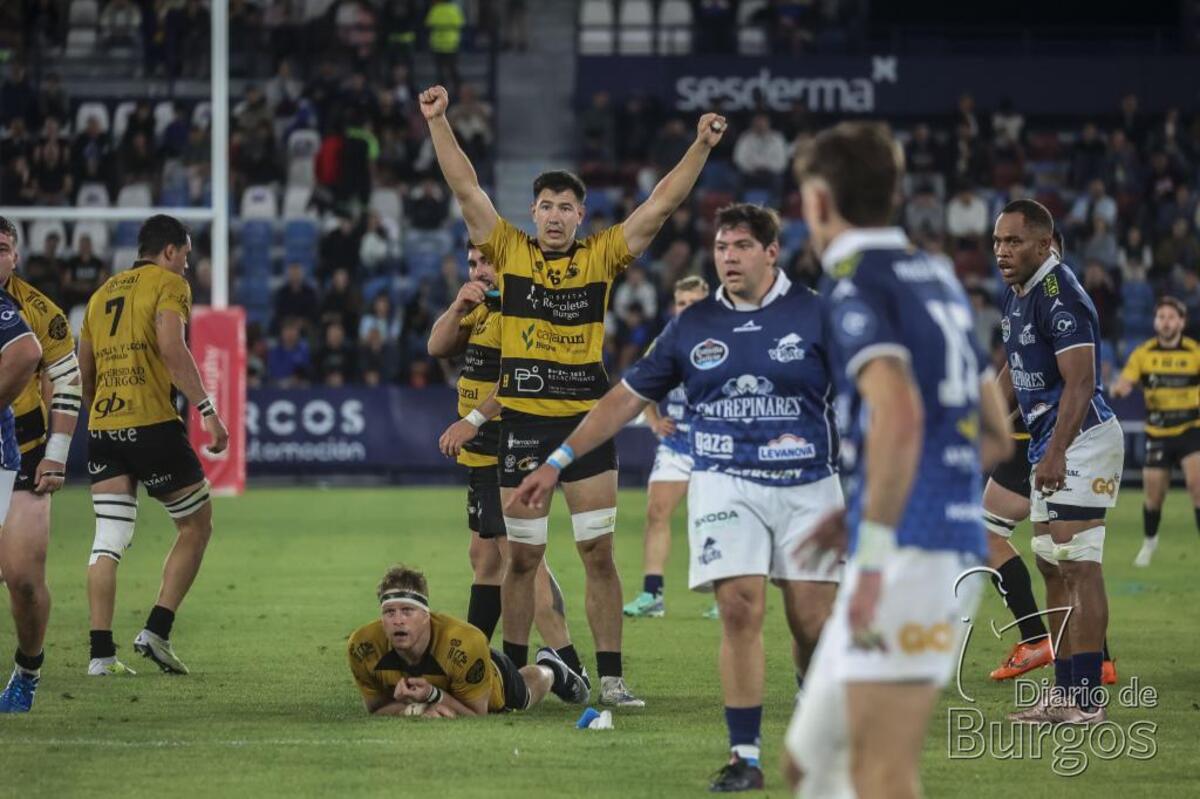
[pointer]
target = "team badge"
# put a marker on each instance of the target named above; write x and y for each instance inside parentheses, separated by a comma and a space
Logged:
(788, 349)
(709, 354)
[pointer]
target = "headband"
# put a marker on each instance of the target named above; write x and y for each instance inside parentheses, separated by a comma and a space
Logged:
(401, 597)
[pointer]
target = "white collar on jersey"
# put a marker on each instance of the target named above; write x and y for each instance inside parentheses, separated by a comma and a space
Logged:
(855, 240)
(781, 286)
(1042, 271)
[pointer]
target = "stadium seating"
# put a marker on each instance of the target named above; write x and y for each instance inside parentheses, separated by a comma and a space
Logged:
(92, 109)
(40, 230)
(93, 195)
(84, 14)
(386, 203)
(259, 202)
(675, 27)
(121, 119)
(98, 231)
(595, 27)
(635, 20)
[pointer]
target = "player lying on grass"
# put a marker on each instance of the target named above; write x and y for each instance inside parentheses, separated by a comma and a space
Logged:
(413, 662)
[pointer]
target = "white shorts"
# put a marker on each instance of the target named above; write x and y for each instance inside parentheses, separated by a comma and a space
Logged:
(1095, 461)
(670, 466)
(7, 481)
(920, 621)
(737, 527)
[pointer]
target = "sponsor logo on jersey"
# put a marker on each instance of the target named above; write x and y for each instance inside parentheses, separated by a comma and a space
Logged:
(1005, 329)
(1038, 410)
(709, 354)
(510, 461)
(787, 447)
(9, 317)
(963, 512)
(787, 349)
(528, 380)
(1022, 380)
(748, 327)
(1027, 336)
(749, 398)
(710, 551)
(713, 445)
(521, 443)
(1063, 324)
(1102, 486)
(959, 457)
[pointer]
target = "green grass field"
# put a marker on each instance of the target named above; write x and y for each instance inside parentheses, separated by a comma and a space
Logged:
(270, 709)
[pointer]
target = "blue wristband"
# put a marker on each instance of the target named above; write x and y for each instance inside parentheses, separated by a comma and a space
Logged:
(561, 458)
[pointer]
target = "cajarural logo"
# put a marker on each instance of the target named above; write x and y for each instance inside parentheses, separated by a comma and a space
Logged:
(780, 92)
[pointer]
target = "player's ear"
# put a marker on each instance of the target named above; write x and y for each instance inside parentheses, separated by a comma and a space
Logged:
(773, 253)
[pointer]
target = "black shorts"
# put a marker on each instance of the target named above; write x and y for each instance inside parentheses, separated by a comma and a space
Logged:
(1168, 451)
(484, 512)
(159, 456)
(516, 692)
(27, 474)
(526, 441)
(1014, 473)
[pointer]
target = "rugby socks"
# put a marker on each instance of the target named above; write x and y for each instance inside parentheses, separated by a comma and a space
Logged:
(1151, 518)
(745, 724)
(1085, 668)
(653, 583)
(159, 621)
(608, 664)
(102, 644)
(1014, 575)
(1062, 673)
(484, 610)
(517, 653)
(30, 666)
(571, 658)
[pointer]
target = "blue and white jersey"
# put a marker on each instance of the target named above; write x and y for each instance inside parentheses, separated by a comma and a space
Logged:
(889, 299)
(12, 327)
(1049, 314)
(675, 406)
(758, 382)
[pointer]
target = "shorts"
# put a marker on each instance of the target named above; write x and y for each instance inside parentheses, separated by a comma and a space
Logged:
(7, 479)
(27, 476)
(920, 621)
(1095, 461)
(737, 527)
(670, 466)
(485, 515)
(1167, 451)
(1013, 474)
(516, 692)
(159, 456)
(526, 441)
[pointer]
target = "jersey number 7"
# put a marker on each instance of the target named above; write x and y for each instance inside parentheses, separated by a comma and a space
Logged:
(116, 307)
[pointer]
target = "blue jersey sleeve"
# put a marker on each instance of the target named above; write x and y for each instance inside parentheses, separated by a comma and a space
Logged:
(659, 370)
(12, 326)
(862, 324)
(1065, 322)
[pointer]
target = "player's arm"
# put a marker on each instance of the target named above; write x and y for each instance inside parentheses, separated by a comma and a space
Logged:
(448, 336)
(644, 223)
(19, 360)
(1124, 384)
(1077, 367)
(478, 211)
(66, 397)
(172, 346)
(995, 431)
(456, 435)
(661, 426)
(1008, 394)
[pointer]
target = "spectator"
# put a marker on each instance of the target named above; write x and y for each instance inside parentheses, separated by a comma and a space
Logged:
(83, 275)
(44, 269)
(140, 121)
(120, 23)
(296, 299)
(91, 154)
(359, 154)
(1131, 122)
(1095, 203)
(680, 226)
(966, 117)
(379, 359)
(670, 145)
(137, 161)
(1164, 176)
(252, 111)
(516, 25)
(675, 263)
(17, 98)
(638, 123)
(378, 247)
(337, 364)
(1137, 308)
(1088, 156)
(18, 142)
(401, 19)
(924, 160)
(970, 165)
(284, 90)
(358, 98)
(1187, 289)
(1123, 167)
(445, 22)
(289, 362)
(339, 247)
(1134, 253)
(380, 319)
(1180, 249)
(200, 280)
(967, 218)
(427, 205)
(1007, 122)
(341, 303)
(176, 134)
(472, 121)
(43, 23)
(256, 157)
(1181, 205)
(1101, 246)
(53, 102)
(18, 186)
(598, 127)
(925, 214)
(761, 155)
(987, 317)
(52, 173)
(635, 289)
(257, 353)
(190, 29)
(1099, 285)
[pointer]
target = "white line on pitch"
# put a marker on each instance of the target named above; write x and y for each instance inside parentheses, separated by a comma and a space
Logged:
(168, 744)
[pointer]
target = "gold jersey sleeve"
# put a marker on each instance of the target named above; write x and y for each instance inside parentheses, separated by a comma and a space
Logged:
(1170, 381)
(133, 385)
(49, 324)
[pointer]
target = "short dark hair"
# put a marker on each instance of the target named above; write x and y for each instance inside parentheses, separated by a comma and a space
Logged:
(403, 578)
(158, 232)
(1034, 213)
(862, 164)
(763, 223)
(560, 180)
(1172, 302)
(8, 228)
(1056, 238)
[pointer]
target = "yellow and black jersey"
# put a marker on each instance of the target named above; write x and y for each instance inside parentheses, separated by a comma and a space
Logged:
(458, 661)
(1170, 380)
(481, 370)
(49, 324)
(552, 330)
(133, 386)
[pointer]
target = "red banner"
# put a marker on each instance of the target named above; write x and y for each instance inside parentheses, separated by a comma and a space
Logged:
(218, 343)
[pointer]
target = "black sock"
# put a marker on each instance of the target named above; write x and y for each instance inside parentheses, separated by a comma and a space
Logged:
(517, 653)
(1015, 575)
(1107, 656)
(159, 621)
(28, 663)
(1196, 513)
(571, 658)
(653, 583)
(484, 610)
(1150, 520)
(608, 664)
(102, 644)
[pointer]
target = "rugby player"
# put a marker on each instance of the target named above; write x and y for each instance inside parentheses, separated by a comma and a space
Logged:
(132, 350)
(1168, 369)
(756, 368)
(668, 483)
(414, 662)
(1076, 446)
(555, 290)
(26, 530)
(471, 327)
(924, 412)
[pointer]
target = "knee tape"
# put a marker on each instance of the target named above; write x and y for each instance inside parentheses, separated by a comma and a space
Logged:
(594, 523)
(186, 506)
(1043, 547)
(998, 525)
(1085, 546)
(528, 531)
(115, 517)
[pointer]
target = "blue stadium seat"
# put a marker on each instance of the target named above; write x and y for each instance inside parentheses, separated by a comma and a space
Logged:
(300, 241)
(794, 235)
(423, 263)
(757, 197)
(720, 176)
(126, 234)
(600, 202)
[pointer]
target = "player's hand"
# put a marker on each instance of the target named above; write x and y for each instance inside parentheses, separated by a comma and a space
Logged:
(439, 711)
(710, 129)
(49, 477)
(663, 426)
(469, 296)
(824, 545)
(434, 101)
(863, 604)
(220, 435)
(534, 490)
(412, 690)
(457, 434)
(1050, 474)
